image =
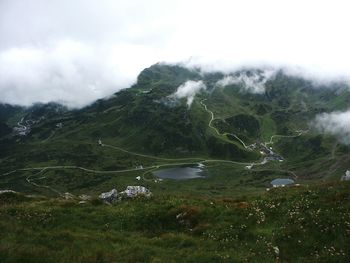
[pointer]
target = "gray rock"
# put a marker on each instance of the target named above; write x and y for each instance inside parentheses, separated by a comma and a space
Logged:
(68, 196)
(109, 197)
(346, 177)
(134, 191)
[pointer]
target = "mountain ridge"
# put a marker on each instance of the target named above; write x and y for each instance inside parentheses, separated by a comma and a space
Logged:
(220, 124)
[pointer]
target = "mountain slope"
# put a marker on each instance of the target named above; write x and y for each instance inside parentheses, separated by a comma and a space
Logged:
(226, 122)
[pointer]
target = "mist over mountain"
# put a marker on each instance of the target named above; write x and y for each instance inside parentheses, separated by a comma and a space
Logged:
(60, 52)
(176, 150)
(174, 131)
(246, 81)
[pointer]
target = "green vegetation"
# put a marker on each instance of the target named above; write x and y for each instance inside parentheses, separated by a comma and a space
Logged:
(144, 119)
(305, 224)
(226, 216)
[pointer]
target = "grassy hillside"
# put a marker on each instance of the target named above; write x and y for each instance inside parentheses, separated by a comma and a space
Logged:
(305, 224)
(228, 215)
(146, 119)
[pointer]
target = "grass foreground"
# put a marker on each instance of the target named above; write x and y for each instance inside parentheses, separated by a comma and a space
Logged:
(293, 224)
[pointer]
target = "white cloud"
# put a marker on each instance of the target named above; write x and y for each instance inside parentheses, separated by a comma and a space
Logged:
(69, 72)
(189, 90)
(253, 82)
(335, 123)
(78, 51)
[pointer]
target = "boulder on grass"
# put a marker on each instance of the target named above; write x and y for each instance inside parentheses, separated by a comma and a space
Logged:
(109, 197)
(135, 191)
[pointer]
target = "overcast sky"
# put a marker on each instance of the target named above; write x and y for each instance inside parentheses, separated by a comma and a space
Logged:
(75, 51)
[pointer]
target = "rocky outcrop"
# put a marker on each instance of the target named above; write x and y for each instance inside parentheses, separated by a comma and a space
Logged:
(68, 196)
(109, 197)
(130, 192)
(135, 191)
(346, 177)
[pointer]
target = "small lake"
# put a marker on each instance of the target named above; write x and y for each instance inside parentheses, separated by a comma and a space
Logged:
(180, 173)
(282, 181)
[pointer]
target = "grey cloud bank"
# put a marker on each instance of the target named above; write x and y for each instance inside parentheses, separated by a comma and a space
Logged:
(75, 52)
(68, 72)
(253, 82)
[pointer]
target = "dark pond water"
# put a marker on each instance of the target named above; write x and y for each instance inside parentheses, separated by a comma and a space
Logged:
(180, 173)
(281, 181)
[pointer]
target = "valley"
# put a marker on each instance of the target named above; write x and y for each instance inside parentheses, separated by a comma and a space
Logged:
(266, 152)
(133, 144)
(232, 176)
(174, 131)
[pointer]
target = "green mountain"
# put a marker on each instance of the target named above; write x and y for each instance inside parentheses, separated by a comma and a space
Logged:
(241, 130)
(146, 118)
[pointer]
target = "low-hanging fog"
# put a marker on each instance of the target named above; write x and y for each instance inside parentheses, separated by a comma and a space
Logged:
(74, 52)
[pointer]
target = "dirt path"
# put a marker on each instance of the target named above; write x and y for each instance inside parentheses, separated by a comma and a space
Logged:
(215, 129)
(148, 169)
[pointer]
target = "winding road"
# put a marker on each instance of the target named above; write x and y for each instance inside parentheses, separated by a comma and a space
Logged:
(285, 136)
(174, 161)
(30, 179)
(251, 165)
(215, 129)
(149, 156)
